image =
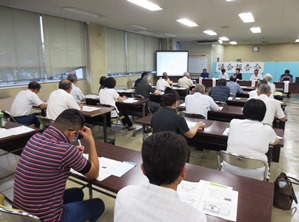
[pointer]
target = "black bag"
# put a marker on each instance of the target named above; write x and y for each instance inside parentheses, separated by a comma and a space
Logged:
(283, 192)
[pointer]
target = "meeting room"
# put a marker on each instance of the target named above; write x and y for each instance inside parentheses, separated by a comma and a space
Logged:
(149, 110)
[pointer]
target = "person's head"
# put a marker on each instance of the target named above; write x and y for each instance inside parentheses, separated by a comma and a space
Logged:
(268, 77)
(256, 72)
(223, 70)
(238, 70)
(264, 89)
(186, 74)
(204, 70)
(72, 78)
(232, 78)
(66, 85)
(102, 80)
(34, 86)
(144, 74)
(69, 122)
(165, 76)
(164, 157)
(254, 109)
(170, 97)
(261, 82)
(200, 88)
(110, 83)
(221, 82)
(148, 79)
(287, 72)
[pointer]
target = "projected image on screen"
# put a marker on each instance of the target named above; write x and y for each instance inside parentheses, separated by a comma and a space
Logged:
(175, 63)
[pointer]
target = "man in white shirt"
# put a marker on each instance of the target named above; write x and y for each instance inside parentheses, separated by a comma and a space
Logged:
(256, 76)
(273, 106)
(199, 103)
(223, 74)
(22, 105)
(185, 81)
(164, 158)
(268, 78)
(254, 93)
(61, 99)
(76, 91)
(162, 83)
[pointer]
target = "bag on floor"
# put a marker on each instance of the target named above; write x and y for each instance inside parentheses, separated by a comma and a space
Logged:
(283, 192)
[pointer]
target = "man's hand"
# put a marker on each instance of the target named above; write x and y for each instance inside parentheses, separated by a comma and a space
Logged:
(86, 133)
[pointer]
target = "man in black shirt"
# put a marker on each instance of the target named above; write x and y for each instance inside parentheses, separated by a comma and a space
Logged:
(139, 80)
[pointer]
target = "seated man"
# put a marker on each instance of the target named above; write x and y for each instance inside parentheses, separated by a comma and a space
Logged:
(61, 99)
(164, 157)
(22, 105)
(250, 137)
(273, 106)
(139, 80)
(185, 81)
(221, 92)
(162, 83)
(256, 76)
(144, 88)
(233, 86)
(43, 169)
(223, 74)
(200, 103)
(254, 94)
(268, 78)
(238, 75)
(168, 120)
(204, 74)
(76, 91)
(286, 76)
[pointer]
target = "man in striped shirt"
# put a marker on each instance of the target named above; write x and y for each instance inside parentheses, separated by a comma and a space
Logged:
(43, 169)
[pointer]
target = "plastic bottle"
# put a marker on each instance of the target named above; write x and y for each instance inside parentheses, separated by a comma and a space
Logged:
(2, 122)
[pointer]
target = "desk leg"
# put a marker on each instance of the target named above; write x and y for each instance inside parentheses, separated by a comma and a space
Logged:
(105, 128)
(90, 190)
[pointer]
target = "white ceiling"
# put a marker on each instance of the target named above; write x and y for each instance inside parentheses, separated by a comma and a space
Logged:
(278, 19)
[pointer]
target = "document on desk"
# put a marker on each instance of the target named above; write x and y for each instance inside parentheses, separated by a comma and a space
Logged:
(226, 131)
(92, 96)
(182, 105)
(130, 100)
(90, 108)
(190, 124)
(220, 107)
(121, 168)
(5, 133)
(20, 129)
(210, 198)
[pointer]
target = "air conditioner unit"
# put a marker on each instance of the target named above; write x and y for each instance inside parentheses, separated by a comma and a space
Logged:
(207, 41)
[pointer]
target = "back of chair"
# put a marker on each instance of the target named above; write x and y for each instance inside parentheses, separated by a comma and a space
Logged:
(8, 116)
(46, 122)
(241, 161)
(137, 96)
(193, 115)
(10, 214)
(220, 103)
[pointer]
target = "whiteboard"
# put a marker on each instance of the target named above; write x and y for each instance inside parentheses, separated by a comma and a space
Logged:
(175, 63)
(196, 63)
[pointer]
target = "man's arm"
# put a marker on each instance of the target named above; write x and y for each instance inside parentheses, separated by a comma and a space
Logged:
(43, 106)
(93, 173)
(191, 133)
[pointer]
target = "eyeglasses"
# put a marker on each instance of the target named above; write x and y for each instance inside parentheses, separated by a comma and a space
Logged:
(76, 134)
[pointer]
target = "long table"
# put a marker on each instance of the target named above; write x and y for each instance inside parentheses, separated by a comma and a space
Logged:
(254, 201)
(212, 137)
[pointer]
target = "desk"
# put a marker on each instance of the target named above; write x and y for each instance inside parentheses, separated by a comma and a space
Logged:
(247, 88)
(293, 87)
(255, 197)
(227, 113)
(212, 137)
(239, 101)
(125, 92)
(100, 117)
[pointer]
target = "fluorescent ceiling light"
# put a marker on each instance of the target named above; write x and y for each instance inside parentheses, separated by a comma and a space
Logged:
(246, 17)
(297, 40)
(255, 30)
(223, 38)
(230, 0)
(139, 27)
(187, 22)
(210, 32)
(170, 35)
(220, 41)
(146, 4)
(81, 12)
(233, 43)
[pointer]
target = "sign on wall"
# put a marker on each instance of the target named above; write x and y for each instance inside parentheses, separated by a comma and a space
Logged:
(245, 67)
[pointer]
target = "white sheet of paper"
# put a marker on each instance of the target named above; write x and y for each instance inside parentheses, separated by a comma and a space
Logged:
(237, 98)
(5, 133)
(120, 169)
(20, 129)
(230, 98)
(182, 105)
(220, 107)
(92, 96)
(130, 100)
(90, 108)
(190, 124)
(226, 131)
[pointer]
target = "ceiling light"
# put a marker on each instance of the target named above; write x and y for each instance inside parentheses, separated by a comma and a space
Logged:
(82, 12)
(170, 35)
(146, 4)
(220, 41)
(139, 27)
(187, 22)
(223, 38)
(246, 17)
(233, 43)
(210, 32)
(230, 0)
(297, 40)
(255, 30)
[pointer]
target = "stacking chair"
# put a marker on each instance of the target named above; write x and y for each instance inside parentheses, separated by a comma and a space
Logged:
(242, 162)
(7, 213)
(7, 116)
(44, 121)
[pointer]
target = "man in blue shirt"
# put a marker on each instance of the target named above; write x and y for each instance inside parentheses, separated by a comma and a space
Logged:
(233, 86)
(286, 76)
(221, 92)
(204, 74)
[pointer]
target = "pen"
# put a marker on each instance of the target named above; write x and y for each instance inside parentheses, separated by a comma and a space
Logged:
(79, 142)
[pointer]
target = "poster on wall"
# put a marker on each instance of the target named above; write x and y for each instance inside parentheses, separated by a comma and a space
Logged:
(245, 67)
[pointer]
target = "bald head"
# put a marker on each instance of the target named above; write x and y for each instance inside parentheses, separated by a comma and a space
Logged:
(200, 88)
(187, 75)
(65, 85)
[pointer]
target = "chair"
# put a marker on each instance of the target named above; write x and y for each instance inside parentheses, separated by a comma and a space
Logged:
(193, 115)
(7, 213)
(220, 103)
(242, 162)
(8, 116)
(46, 122)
